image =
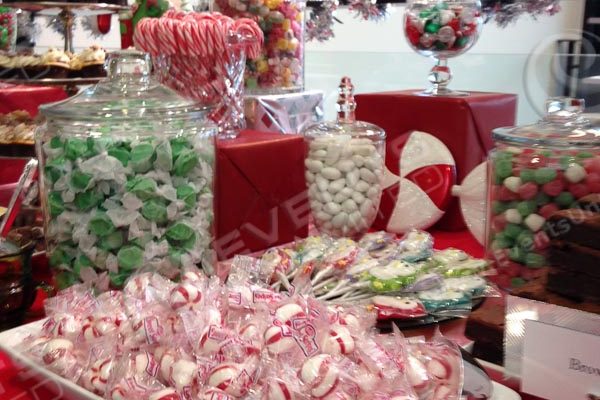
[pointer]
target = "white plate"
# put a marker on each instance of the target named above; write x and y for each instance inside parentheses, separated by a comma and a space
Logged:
(9, 340)
(502, 392)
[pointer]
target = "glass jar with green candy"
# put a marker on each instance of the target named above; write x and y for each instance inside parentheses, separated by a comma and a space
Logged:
(127, 172)
(543, 196)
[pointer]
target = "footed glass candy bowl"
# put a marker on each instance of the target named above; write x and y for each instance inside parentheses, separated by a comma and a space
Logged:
(127, 172)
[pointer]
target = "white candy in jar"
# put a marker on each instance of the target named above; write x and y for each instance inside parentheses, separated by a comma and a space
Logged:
(344, 177)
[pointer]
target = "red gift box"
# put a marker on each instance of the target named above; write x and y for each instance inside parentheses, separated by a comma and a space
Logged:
(463, 124)
(260, 192)
(28, 98)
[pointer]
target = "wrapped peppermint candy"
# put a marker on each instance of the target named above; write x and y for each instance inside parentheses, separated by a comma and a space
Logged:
(127, 180)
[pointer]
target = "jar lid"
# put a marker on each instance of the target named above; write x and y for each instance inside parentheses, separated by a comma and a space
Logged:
(346, 123)
(128, 93)
(563, 126)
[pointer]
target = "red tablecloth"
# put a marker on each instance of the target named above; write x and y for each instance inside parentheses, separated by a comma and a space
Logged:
(28, 98)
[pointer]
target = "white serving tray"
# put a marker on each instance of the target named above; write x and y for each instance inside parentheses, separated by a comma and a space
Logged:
(9, 340)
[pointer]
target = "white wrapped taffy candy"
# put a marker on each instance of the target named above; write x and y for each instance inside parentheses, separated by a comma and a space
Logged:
(344, 170)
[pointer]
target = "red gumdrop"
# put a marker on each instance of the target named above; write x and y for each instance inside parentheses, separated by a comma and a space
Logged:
(413, 34)
(541, 240)
(592, 164)
(455, 24)
(592, 180)
(579, 190)
(499, 223)
(554, 188)
(548, 209)
(504, 194)
(528, 190)
(531, 273)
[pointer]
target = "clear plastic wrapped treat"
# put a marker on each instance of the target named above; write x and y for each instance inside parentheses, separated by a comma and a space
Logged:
(127, 174)
(344, 170)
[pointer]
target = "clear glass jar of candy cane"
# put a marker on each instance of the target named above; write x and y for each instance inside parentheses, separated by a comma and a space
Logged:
(344, 163)
(543, 191)
(280, 67)
(126, 178)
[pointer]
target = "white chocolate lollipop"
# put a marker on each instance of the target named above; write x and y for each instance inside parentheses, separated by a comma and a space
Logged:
(320, 374)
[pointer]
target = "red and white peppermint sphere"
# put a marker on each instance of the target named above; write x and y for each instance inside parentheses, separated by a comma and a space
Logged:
(58, 355)
(226, 377)
(165, 394)
(289, 312)
(279, 340)
(277, 389)
(338, 341)
(183, 373)
(422, 181)
(320, 374)
(184, 294)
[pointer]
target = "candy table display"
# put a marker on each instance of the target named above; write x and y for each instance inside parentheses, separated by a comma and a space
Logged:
(442, 29)
(280, 66)
(535, 171)
(127, 171)
(344, 169)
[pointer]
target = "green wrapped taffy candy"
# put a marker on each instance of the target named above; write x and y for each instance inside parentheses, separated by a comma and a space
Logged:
(143, 188)
(75, 148)
(65, 279)
(55, 168)
(130, 257)
(185, 162)
(80, 180)
(141, 157)
(56, 204)
(111, 241)
(178, 145)
(188, 195)
(154, 210)
(392, 277)
(120, 154)
(87, 200)
(101, 225)
(81, 261)
(179, 232)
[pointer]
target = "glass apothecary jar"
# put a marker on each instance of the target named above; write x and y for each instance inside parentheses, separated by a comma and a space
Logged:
(344, 170)
(126, 177)
(280, 66)
(541, 177)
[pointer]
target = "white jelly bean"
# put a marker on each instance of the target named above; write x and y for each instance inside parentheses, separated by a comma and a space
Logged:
(326, 197)
(364, 150)
(366, 208)
(513, 183)
(310, 177)
(373, 192)
(349, 206)
(328, 225)
(575, 173)
(319, 154)
(313, 166)
(336, 185)
(347, 152)
(345, 165)
(333, 154)
(367, 176)
(340, 196)
(312, 190)
(352, 178)
(535, 222)
(513, 216)
(347, 191)
(318, 144)
(355, 219)
(359, 161)
(322, 216)
(331, 173)
(316, 206)
(358, 197)
(373, 163)
(339, 220)
(360, 141)
(332, 208)
(322, 183)
(362, 186)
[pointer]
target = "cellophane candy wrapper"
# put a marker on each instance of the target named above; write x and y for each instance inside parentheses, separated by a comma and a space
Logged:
(200, 338)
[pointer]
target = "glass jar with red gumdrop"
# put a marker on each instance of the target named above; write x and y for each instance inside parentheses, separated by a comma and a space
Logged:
(534, 173)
